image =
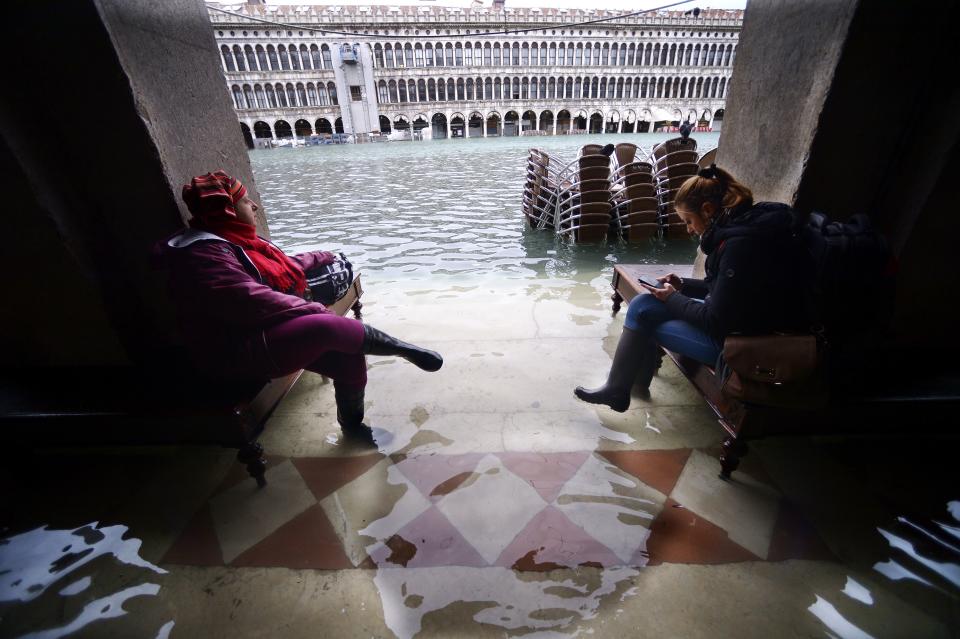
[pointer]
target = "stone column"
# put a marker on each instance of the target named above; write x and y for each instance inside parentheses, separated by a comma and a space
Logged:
(555, 123)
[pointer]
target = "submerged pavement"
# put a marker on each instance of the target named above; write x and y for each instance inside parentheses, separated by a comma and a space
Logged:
(495, 505)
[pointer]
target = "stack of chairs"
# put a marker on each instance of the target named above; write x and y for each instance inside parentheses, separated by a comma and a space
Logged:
(583, 199)
(633, 196)
(539, 191)
(674, 162)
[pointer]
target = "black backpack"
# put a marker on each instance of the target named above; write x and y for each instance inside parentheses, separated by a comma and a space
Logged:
(852, 294)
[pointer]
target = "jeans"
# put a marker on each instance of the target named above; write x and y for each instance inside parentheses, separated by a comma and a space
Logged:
(649, 315)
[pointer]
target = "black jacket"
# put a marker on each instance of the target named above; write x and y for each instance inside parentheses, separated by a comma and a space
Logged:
(757, 275)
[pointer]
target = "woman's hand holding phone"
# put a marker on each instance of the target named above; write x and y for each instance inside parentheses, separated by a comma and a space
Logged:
(664, 290)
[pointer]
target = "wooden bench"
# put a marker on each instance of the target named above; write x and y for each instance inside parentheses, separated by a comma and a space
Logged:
(924, 402)
(124, 406)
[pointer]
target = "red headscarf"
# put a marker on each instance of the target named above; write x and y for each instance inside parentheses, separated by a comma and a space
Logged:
(211, 199)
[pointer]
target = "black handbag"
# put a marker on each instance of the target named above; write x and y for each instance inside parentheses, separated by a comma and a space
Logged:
(330, 282)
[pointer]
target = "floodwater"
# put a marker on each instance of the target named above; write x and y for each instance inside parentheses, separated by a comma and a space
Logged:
(436, 210)
(496, 504)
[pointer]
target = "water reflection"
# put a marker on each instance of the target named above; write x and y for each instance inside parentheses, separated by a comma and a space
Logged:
(32, 562)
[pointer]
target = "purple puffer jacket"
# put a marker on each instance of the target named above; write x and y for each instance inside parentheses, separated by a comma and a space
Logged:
(224, 307)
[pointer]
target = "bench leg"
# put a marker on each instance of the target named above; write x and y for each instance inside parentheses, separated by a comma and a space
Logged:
(357, 309)
(733, 450)
(617, 301)
(251, 454)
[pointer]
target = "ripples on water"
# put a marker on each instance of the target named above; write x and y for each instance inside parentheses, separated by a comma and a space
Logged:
(415, 210)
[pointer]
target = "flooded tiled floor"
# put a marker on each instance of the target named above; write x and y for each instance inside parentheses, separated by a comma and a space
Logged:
(496, 505)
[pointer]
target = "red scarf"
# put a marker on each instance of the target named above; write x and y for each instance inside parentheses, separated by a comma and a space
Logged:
(211, 199)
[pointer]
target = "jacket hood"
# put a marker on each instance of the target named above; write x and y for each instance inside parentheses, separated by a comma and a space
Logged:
(763, 219)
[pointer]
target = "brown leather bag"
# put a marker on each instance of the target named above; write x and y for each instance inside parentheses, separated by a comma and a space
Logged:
(773, 370)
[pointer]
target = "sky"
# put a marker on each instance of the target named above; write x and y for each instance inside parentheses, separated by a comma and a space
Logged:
(624, 5)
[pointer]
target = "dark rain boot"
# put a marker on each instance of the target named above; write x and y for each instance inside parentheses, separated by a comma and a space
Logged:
(350, 415)
(379, 343)
(633, 356)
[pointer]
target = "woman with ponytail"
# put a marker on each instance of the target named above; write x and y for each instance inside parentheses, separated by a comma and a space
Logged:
(241, 305)
(755, 282)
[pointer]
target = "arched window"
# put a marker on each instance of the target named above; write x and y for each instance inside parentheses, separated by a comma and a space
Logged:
(301, 94)
(659, 87)
(332, 90)
(596, 54)
(496, 54)
(394, 97)
(487, 59)
(516, 88)
(703, 56)
(468, 54)
(577, 88)
(448, 54)
(664, 51)
(628, 88)
(408, 55)
(569, 57)
(723, 86)
(603, 88)
(377, 56)
(291, 95)
(281, 95)
(622, 58)
(388, 53)
(525, 55)
(733, 54)
(238, 100)
(461, 93)
(478, 83)
(411, 90)
(271, 96)
(311, 94)
(595, 84)
(686, 57)
(605, 54)
(569, 92)
(578, 60)
(418, 55)
(432, 90)
(428, 54)
(632, 55)
(469, 88)
(643, 88)
(227, 58)
(422, 90)
(726, 55)
(304, 57)
(238, 58)
(402, 90)
(544, 53)
(251, 58)
(284, 58)
(488, 89)
(318, 59)
(442, 89)
(327, 57)
(458, 54)
(534, 53)
(294, 58)
(672, 58)
(383, 97)
(248, 94)
(552, 59)
(534, 87)
(713, 89)
(620, 88)
(497, 89)
(272, 56)
(261, 96)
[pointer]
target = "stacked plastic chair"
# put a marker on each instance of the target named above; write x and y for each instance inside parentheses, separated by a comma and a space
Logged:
(583, 199)
(674, 162)
(633, 196)
(539, 191)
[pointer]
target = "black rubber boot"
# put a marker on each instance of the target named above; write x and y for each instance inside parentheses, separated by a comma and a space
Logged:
(635, 361)
(350, 415)
(379, 343)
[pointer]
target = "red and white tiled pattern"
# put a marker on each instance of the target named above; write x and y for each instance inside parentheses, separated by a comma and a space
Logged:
(525, 511)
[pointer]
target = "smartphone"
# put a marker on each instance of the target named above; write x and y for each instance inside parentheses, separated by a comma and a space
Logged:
(649, 283)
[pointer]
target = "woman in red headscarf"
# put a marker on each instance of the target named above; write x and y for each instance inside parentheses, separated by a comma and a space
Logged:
(242, 310)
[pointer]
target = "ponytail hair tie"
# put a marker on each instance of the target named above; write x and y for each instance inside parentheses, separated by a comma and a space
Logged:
(713, 173)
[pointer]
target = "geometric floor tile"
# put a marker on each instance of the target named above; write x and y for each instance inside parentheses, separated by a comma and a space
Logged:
(552, 541)
(745, 508)
(490, 510)
(612, 506)
(245, 514)
(437, 475)
(305, 542)
(197, 544)
(429, 540)
(324, 475)
(546, 472)
(680, 536)
(658, 469)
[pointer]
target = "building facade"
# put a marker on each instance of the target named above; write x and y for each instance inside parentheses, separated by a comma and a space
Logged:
(441, 72)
